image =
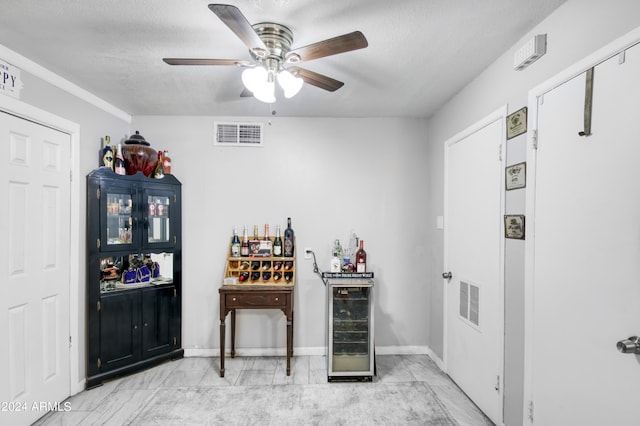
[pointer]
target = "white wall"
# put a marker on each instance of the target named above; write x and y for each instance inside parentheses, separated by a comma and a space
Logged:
(575, 30)
(330, 176)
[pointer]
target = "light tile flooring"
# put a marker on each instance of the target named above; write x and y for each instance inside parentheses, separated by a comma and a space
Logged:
(121, 399)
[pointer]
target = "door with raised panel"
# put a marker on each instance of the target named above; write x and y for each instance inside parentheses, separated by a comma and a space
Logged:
(34, 267)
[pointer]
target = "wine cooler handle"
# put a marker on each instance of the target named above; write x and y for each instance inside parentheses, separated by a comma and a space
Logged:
(447, 275)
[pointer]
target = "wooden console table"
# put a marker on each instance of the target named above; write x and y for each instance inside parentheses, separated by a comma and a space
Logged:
(234, 297)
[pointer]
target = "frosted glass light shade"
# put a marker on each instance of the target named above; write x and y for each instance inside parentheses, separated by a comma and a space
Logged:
(254, 78)
(266, 92)
(290, 84)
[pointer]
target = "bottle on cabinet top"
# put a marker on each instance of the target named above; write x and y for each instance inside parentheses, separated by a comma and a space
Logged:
(361, 258)
(166, 162)
(288, 240)
(118, 164)
(277, 243)
(107, 153)
(158, 173)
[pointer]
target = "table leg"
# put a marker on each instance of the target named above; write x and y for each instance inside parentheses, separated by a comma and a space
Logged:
(222, 339)
(233, 333)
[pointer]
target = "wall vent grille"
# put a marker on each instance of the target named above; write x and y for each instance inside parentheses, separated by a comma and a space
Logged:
(238, 134)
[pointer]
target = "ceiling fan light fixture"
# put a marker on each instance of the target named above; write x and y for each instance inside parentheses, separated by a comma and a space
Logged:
(254, 78)
(266, 92)
(290, 84)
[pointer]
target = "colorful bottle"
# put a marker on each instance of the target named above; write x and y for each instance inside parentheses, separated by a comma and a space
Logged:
(288, 240)
(118, 164)
(107, 153)
(166, 162)
(277, 243)
(158, 173)
(244, 246)
(361, 258)
(235, 243)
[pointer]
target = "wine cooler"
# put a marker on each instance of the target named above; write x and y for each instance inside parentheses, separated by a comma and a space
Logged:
(350, 337)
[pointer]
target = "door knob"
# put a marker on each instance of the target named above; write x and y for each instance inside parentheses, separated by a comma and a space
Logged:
(447, 275)
(630, 345)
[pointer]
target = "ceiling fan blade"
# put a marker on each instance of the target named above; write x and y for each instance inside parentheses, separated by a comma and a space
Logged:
(333, 46)
(315, 79)
(195, 61)
(236, 21)
(246, 93)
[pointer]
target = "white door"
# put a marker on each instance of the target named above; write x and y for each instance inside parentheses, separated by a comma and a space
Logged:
(34, 256)
(473, 252)
(584, 289)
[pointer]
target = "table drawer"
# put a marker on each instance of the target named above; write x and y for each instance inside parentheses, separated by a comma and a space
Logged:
(256, 300)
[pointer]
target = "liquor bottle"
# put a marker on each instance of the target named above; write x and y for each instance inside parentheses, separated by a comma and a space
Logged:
(244, 246)
(235, 243)
(158, 173)
(255, 232)
(266, 232)
(288, 240)
(107, 153)
(166, 162)
(118, 164)
(336, 255)
(277, 243)
(361, 258)
(335, 264)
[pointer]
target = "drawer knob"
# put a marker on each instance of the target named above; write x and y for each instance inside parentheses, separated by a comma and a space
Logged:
(234, 299)
(276, 299)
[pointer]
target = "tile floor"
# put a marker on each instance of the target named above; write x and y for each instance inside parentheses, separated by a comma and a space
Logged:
(120, 400)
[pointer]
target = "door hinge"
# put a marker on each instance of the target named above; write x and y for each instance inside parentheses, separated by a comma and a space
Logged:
(530, 411)
(98, 193)
(70, 342)
(70, 175)
(175, 341)
(98, 306)
(175, 293)
(175, 198)
(98, 243)
(500, 152)
(497, 387)
(99, 363)
(534, 139)
(175, 240)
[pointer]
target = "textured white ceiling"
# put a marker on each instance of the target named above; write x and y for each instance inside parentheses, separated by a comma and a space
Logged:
(421, 52)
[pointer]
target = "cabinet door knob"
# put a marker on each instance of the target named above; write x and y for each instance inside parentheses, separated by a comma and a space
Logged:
(234, 299)
(447, 275)
(276, 299)
(146, 325)
(135, 327)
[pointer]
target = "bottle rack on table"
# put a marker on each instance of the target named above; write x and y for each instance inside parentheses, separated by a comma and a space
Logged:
(260, 270)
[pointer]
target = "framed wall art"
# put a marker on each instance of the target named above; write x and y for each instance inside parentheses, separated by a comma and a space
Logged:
(517, 123)
(516, 176)
(514, 226)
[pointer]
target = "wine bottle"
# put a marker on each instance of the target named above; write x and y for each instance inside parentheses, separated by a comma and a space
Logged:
(235, 243)
(244, 276)
(107, 153)
(158, 173)
(244, 246)
(361, 258)
(255, 276)
(118, 164)
(288, 239)
(277, 276)
(166, 162)
(266, 232)
(277, 243)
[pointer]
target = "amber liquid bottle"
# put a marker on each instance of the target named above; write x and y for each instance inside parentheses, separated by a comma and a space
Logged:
(118, 164)
(361, 258)
(158, 173)
(166, 162)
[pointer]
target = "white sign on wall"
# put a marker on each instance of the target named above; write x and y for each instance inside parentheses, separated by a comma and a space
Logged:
(10, 83)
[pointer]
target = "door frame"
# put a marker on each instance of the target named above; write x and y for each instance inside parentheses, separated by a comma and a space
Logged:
(499, 114)
(28, 112)
(534, 97)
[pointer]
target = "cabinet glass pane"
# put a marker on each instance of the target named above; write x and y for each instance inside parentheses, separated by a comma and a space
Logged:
(159, 223)
(119, 221)
(351, 329)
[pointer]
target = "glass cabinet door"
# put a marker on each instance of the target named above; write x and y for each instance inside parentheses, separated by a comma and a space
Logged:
(158, 219)
(117, 217)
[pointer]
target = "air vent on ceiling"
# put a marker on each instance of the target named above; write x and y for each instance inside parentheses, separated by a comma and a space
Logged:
(238, 134)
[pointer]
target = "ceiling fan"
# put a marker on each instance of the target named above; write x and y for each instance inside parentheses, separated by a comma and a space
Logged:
(273, 59)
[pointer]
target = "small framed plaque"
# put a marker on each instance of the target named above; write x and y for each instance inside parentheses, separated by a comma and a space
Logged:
(514, 226)
(517, 123)
(516, 176)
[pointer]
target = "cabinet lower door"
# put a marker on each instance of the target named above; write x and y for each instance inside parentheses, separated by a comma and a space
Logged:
(119, 330)
(158, 316)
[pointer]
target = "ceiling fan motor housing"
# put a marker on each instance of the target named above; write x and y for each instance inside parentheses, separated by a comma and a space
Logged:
(276, 37)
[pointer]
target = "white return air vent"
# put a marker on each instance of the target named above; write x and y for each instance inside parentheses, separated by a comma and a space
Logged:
(238, 134)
